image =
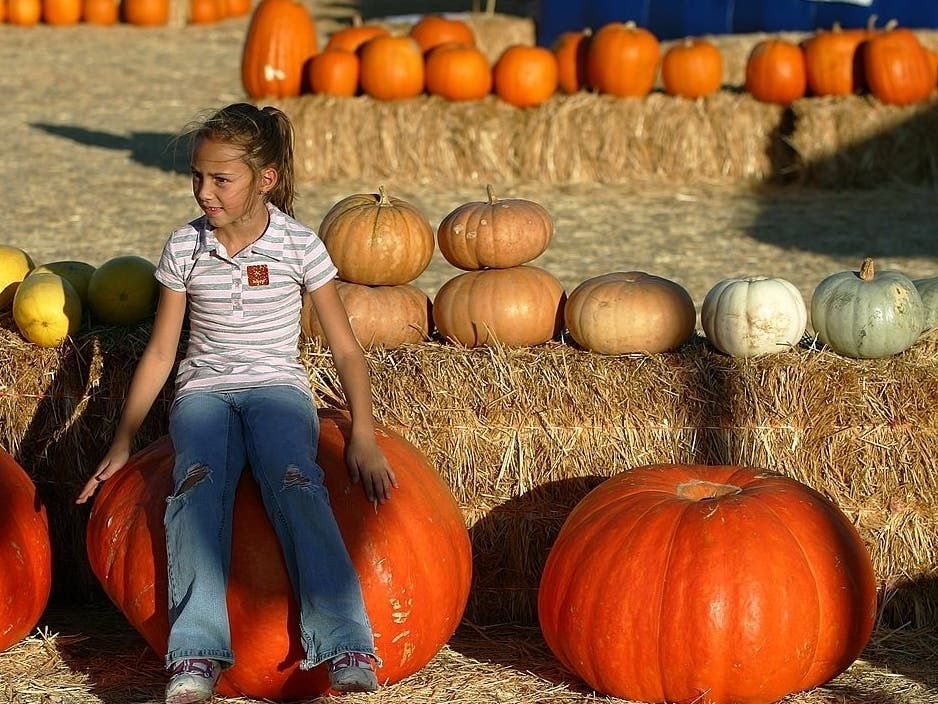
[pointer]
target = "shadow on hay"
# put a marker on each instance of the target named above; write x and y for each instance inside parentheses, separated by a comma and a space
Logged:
(153, 149)
(890, 148)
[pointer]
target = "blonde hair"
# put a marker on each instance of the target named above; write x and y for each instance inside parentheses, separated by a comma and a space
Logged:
(266, 137)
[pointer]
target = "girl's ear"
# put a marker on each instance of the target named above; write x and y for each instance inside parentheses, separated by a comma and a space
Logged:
(268, 179)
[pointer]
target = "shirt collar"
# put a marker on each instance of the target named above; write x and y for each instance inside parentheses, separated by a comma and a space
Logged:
(269, 245)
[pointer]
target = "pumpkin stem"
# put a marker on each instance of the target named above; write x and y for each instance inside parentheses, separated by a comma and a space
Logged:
(871, 23)
(383, 196)
(891, 25)
(867, 272)
(700, 490)
(357, 20)
(490, 190)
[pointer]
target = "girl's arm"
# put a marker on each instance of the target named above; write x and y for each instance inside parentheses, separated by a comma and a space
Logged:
(150, 376)
(366, 462)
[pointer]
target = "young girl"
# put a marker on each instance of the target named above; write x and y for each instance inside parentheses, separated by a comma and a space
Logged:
(243, 397)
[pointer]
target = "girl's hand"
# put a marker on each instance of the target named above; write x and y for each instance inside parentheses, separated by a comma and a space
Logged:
(368, 465)
(113, 461)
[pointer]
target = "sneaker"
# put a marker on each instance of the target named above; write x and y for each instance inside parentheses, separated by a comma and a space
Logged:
(192, 681)
(353, 672)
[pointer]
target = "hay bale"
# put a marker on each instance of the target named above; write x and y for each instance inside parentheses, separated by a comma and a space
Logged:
(857, 141)
(726, 137)
(521, 435)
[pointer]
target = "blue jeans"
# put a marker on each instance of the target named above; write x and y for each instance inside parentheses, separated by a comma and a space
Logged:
(275, 430)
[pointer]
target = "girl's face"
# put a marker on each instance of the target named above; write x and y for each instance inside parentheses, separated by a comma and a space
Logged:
(225, 187)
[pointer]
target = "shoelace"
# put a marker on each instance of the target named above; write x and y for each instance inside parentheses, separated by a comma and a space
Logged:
(340, 662)
(194, 666)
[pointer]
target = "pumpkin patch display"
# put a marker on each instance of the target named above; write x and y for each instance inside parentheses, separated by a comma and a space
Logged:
(497, 233)
(867, 314)
(280, 39)
(629, 312)
(380, 316)
(15, 264)
(753, 315)
(123, 290)
(413, 557)
(376, 239)
(518, 306)
(708, 584)
(928, 290)
(25, 553)
(47, 309)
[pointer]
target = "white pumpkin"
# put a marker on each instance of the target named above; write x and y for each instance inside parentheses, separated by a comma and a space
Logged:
(753, 315)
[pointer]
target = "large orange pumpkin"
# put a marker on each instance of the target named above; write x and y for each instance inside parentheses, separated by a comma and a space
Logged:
(412, 555)
(497, 233)
(458, 72)
(832, 61)
(711, 584)
(280, 39)
(377, 239)
(25, 553)
(518, 306)
(334, 72)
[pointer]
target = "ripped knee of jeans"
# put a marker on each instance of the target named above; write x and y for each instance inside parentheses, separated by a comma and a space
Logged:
(194, 474)
(293, 478)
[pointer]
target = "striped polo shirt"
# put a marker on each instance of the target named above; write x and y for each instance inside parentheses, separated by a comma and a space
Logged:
(244, 310)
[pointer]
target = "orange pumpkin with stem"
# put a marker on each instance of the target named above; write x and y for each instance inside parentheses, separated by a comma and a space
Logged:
(743, 585)
(458, 72)
(775, 71)
(692, 68)
(833, 64)
(623, 60)
(525, 76)
(897, 68)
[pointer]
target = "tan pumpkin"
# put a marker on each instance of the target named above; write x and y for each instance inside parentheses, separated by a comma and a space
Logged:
(280, 40)
(377, 239)
(629, 312)
(381, 316)
(497, 233)
(753, 315)
(517, 307)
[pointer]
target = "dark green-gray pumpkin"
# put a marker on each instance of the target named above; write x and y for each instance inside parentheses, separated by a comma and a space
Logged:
(928, 290)
(867, 314)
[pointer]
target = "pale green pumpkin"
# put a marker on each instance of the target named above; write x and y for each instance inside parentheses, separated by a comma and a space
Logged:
(928, 290)
(867, 314)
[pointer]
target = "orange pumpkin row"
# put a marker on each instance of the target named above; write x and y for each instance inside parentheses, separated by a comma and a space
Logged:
(27, 13)
(890, 64)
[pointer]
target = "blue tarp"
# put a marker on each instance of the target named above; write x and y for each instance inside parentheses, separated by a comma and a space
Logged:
(673, 19)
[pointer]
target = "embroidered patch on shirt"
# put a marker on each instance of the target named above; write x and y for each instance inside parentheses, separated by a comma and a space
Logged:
(258, 275)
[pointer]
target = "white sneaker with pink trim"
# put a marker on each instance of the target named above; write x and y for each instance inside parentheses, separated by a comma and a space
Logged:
(192, 681)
